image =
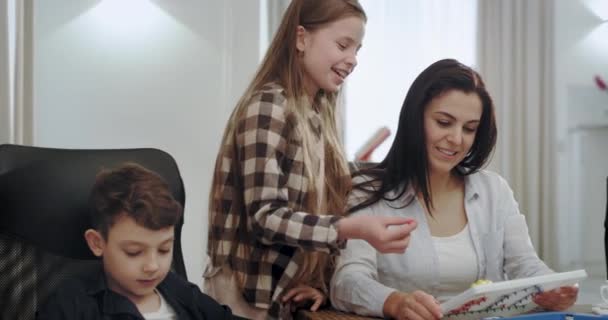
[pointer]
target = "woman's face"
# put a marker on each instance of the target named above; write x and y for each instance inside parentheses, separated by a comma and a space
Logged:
(450, 125)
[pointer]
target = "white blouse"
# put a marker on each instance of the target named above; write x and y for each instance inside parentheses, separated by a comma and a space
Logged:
(364, 278)
(457, 263)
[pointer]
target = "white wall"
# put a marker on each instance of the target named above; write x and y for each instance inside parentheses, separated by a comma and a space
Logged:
(166, 74)
(137, 73)
(402, 38)
(581, 51)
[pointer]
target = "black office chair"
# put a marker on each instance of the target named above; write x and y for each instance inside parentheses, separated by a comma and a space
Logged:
(43, 214)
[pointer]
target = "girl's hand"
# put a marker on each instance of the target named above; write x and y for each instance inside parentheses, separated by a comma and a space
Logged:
(385, 233)
(302, 294)
(558, 299)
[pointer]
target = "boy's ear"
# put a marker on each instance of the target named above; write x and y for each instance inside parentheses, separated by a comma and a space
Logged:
(301, 38)
(95, 241)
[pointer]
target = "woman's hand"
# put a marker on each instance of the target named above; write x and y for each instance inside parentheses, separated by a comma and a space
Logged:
(303, 294)
(557, 299)
(417, 305)
(385, 233)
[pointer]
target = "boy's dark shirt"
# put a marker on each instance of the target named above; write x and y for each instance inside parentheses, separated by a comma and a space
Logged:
(91, 299)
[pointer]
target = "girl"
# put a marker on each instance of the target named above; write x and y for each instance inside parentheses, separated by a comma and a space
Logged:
(281, 180)
(470, 226)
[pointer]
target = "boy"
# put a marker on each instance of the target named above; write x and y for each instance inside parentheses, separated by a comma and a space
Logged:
(133, 215)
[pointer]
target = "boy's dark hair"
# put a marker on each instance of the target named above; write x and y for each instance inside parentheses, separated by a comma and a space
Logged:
(136, 191)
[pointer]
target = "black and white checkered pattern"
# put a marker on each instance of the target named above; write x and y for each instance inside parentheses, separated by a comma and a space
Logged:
(264, 170)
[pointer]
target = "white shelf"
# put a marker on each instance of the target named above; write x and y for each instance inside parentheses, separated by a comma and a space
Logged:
(588, 126)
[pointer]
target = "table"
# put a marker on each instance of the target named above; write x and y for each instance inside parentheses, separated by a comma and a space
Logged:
(328, 314)
(331, 314)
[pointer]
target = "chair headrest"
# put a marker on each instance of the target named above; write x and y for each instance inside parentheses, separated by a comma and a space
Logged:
(44, 192)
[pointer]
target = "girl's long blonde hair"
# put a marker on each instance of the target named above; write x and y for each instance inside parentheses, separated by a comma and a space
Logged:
(281, 65)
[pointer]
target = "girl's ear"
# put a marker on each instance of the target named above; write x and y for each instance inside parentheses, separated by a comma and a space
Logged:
(301, 38)
(95, 241)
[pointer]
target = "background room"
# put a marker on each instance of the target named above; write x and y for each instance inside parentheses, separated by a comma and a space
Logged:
(166, 74)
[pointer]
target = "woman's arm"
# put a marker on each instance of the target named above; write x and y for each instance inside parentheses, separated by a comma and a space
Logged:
(520, 258)
(355, 287)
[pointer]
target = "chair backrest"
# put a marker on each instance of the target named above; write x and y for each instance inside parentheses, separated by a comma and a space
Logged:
(44, 196)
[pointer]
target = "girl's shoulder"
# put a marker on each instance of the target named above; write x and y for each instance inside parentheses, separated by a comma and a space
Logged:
(272, 87)
(271, 92)
(267, 101)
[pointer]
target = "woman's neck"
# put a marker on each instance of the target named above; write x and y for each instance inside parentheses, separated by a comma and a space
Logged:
(443, 182)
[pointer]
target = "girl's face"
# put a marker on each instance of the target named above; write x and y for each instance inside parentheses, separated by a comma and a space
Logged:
(329, 54)
(450, 124)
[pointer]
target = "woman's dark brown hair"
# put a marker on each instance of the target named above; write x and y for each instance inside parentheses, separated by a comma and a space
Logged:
(406, 163)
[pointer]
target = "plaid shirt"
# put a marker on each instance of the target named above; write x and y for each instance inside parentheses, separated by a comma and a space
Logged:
(271, 183)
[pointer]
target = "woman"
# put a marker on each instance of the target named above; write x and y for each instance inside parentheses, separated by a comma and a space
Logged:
(469, 225)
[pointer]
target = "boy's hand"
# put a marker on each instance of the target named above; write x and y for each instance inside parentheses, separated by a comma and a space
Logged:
(303, 293)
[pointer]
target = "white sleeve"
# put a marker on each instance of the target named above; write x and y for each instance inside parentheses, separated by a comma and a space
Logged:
(354, 285)
(520, 258)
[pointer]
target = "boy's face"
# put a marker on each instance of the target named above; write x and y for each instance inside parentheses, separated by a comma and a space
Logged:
(135, 259)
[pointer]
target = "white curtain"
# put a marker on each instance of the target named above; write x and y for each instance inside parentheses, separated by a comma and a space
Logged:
(5, 74)
(515, 59)
(275, 8)
(16, 52)
(16, 120)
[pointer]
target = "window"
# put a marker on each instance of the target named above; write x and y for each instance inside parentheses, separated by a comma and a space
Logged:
(402, 38)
